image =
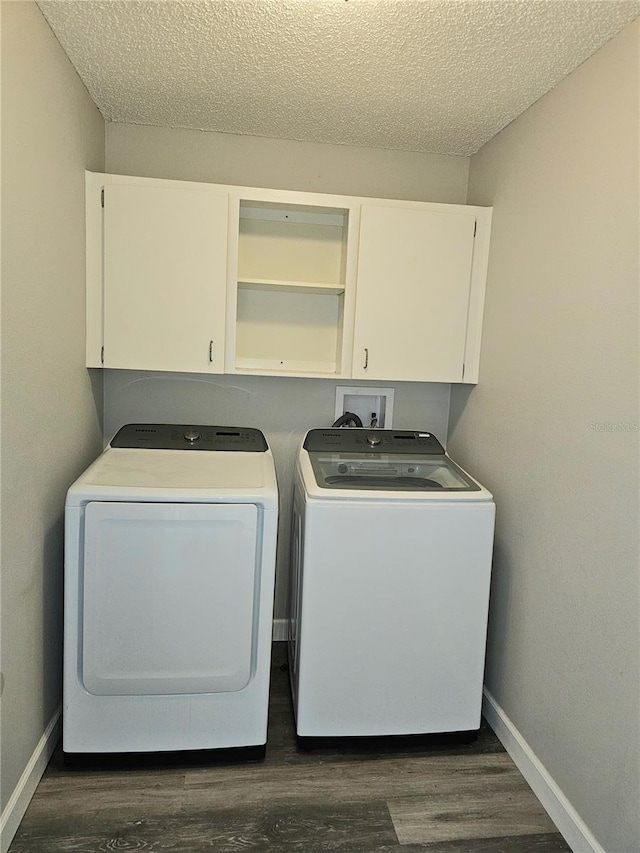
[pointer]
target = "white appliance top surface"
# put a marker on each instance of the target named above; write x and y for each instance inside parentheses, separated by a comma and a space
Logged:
(177, 475)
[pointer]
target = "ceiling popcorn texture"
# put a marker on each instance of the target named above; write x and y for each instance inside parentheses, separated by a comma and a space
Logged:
(440, 76)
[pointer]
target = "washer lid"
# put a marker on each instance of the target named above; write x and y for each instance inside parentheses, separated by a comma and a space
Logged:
(173, 475)
(397, 472)
(343, 465)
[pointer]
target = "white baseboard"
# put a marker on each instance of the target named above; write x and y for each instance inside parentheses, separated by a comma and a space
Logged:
(279, 630)
(28, 782)
(576, 833)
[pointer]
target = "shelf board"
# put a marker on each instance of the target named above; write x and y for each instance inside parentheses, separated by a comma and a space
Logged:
(286, 367)
(298, 286)
(293, 213)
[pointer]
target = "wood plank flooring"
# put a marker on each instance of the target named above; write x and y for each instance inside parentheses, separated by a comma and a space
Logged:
(449, 799)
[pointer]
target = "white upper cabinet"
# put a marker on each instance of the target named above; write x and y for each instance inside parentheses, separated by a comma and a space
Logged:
(208, 278)
(164, 275)
(412, 300)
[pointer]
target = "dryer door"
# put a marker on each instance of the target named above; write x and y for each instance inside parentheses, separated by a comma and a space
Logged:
(169, 594)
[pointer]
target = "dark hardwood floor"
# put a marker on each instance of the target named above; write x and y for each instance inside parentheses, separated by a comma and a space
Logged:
(440, 799)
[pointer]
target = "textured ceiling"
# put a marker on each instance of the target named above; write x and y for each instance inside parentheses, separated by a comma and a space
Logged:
(440, 76)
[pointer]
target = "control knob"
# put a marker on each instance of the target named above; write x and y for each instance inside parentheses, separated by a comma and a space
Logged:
(191, 435)
(373, 440)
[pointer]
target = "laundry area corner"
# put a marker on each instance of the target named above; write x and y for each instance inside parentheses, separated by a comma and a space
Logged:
(298, 307)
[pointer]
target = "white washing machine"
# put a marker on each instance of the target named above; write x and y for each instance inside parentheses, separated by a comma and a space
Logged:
(392, 547)
(169, 576)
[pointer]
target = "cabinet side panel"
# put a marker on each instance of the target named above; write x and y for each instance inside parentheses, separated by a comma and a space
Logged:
(94, 268)
(477, 294)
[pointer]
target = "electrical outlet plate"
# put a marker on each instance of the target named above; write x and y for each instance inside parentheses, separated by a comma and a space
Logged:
(363, 402)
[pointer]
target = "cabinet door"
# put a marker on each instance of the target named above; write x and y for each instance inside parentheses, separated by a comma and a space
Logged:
(165, 263)
(412, 299)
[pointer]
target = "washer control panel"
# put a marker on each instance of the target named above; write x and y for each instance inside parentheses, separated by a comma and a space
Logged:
(190, 437)
(368, 441)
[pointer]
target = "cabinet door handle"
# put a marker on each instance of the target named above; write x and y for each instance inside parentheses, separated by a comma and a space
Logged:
(210, 352)
(366, 358)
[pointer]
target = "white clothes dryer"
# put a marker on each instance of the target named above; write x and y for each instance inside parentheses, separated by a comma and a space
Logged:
(392, 548)
(170, 543)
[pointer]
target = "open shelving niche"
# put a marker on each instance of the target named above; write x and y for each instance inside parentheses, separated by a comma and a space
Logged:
(290, 299)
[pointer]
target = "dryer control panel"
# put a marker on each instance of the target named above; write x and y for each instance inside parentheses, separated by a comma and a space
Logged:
(378, 440)
(190, 437)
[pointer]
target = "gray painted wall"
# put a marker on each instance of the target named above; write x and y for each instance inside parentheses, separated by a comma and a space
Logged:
(552, 429)
(51, 408)
(254, 161)
(283, 407)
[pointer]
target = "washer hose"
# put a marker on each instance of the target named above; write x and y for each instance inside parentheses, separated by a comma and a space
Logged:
(348, 419)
